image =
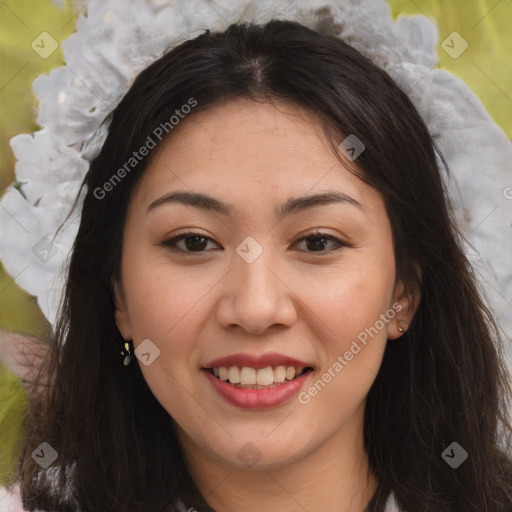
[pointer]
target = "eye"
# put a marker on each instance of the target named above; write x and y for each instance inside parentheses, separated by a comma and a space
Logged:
(318, 242)
(197, 242)
(193, 242)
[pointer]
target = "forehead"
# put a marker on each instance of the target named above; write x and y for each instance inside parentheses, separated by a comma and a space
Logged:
(248, 151)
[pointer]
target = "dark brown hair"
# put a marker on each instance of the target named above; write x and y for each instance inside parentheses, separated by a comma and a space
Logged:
(442, 381)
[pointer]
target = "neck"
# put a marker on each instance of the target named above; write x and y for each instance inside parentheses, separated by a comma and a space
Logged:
(318, 481)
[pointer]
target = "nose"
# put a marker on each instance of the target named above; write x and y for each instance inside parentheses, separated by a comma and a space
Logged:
(255, 297)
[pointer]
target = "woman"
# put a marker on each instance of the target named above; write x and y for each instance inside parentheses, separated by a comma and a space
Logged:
(267, 231)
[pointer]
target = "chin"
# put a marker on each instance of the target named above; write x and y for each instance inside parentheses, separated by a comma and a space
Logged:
(249, 450)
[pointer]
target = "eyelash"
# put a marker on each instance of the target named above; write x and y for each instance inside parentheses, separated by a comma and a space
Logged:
(172, 242)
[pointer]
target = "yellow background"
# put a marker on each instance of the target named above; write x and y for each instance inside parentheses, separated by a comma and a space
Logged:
(486, 25)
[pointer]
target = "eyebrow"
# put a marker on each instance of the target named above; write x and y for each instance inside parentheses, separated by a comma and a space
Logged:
(292, 206)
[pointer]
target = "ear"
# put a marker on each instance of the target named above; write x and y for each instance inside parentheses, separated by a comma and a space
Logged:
(121, 313)
(406, 302)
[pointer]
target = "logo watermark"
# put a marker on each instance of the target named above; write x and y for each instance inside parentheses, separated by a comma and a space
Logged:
(454, 455)
(44, 45)
(352, 147)
(249, 454)
(147, 352)
(45, 455)
(343, 360)
(137, 156)
(454, 45)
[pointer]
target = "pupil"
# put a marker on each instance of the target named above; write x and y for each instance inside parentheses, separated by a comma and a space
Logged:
(191, 246)
(316, 245)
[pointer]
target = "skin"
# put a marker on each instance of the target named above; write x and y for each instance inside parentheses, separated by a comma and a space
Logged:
(293, 299)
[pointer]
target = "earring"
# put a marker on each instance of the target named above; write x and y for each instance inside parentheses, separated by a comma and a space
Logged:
(400, 329)
(127, 352)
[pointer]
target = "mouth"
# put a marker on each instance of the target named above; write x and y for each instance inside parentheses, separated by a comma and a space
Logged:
(247, 377)
(257, 382)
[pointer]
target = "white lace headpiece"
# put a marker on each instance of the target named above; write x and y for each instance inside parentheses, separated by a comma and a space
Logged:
(118, 39)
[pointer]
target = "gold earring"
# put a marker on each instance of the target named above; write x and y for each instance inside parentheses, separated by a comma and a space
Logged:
(400, 329)
(127, 352)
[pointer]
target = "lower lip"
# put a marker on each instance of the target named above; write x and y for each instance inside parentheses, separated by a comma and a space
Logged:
(257, 398)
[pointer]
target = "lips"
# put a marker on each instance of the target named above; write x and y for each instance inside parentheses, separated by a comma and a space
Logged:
(257, 382)
(262, 361)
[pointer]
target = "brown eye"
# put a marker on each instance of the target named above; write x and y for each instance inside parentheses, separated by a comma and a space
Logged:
(190, 242)
(196, 242)
(319, 242)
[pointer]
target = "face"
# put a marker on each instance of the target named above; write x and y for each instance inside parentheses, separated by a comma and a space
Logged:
(290, 299)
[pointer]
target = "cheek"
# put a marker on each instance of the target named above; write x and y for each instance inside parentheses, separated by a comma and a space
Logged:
(162, 298)
(351, 296)
(351, 305)
(166, 306)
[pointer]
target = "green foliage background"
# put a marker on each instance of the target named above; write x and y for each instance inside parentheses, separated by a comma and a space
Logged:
(485, 66)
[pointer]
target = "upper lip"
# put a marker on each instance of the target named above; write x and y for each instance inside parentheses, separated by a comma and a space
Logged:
(261, 361)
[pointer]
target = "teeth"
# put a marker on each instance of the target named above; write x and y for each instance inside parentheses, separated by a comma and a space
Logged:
(265, 376)
(257, 378)
(279, 373)
(247, 375)
(234, 375)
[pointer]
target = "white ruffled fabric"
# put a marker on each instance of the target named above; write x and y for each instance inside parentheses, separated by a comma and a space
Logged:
(10, 500)
(117, 40)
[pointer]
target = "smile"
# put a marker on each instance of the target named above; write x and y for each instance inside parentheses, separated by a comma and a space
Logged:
(257, 378)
